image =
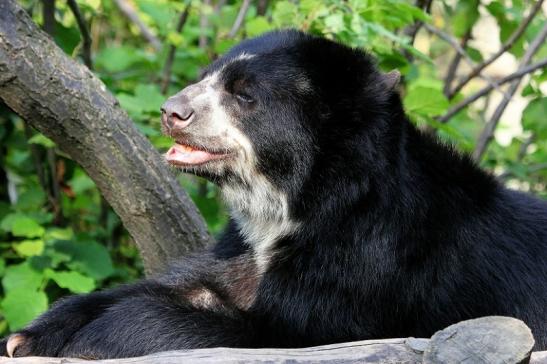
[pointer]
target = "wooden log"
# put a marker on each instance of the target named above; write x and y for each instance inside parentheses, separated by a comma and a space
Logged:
(492, 339)
(489, 340)
(369, 351)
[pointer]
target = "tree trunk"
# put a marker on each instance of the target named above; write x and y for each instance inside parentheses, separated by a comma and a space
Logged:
(66, 102)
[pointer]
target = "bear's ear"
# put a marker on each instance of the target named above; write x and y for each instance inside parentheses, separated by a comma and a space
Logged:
(391, 79)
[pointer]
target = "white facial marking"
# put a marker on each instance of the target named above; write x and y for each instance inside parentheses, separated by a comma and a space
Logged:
(259, 208)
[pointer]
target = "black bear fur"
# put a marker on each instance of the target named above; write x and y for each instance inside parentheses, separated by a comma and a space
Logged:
(396, 234)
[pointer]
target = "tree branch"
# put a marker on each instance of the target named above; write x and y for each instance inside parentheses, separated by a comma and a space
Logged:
(488, 131)
(132, 15)
(261, 7)
(451, 73)
(172, 50)
(521, 72)
(65, 101)
(84, 31)
(411, 30)
(454, 43)
(203, 24)
(240, 17)
(505, 47)
(48, 14)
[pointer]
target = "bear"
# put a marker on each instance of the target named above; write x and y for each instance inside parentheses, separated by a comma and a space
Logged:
(346, 221)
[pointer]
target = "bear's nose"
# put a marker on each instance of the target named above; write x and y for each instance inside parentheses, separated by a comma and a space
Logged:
(176, 113)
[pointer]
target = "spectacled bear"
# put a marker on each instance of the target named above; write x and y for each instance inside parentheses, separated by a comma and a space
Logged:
(347, 222)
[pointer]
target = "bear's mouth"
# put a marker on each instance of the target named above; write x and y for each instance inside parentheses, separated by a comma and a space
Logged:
(183, 154)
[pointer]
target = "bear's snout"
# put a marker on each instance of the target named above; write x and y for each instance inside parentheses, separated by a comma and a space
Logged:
(176, 113)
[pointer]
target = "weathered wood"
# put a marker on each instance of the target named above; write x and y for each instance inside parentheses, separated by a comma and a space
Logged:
(66, 102)
(487, 340)
(370, 351)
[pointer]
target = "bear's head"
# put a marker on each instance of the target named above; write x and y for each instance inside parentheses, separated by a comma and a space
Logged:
(272, 118)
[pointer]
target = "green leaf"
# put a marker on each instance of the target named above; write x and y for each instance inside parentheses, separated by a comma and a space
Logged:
(467, 13)
(284, 13)
(426, 101)
(29, 248)
(21, 276)
(21, 225)
(42, 140)
(88, 257)
(59, 234)
(27, 227)
(81, 182)
(335, 23)
(9, 220)
(149, 97)
(533, 117)
(20, 306)
(32, 199)
(73, 281)
(119, 58)
(257, 26)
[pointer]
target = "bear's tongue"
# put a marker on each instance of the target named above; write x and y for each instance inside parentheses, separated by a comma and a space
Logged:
(180, 154)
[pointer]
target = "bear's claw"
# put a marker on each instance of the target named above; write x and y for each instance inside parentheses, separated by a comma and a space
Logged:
(13, 342)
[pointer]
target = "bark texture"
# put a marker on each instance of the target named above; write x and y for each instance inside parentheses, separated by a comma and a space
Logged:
(65, 101)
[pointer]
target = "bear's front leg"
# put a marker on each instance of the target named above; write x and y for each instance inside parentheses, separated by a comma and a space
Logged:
(48, 334)
(132, 321)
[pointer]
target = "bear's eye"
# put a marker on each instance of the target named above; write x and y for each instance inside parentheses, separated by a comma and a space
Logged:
(244, 98)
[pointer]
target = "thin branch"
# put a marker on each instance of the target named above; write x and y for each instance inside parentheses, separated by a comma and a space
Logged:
(218, 6)
(411, 30)
(203, 24)
(506, 46)
(534, 168)
(521, 72)
(172, 49)
(451, 73)
(48, 14)
(132, 15)
(524, 147)
(36, 159)
(55, 190)
(52, 188)
(240, 17)
(454, 43)
(488, 132)
(84, 31)
(261, 7)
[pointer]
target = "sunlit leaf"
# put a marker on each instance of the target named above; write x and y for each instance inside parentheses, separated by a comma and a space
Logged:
(73, 281)
(22, 305)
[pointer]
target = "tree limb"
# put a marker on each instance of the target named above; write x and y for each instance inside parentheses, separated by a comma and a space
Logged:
(488, 131)
(411, 30)
(239, 19)
(505, 47)
(453, 67)
(132, 15)
(454, 43)
(84, 31)
(172, 49)
(261, 7)
(521, 72)
(65, 101)
(48, 14)
(203, 25)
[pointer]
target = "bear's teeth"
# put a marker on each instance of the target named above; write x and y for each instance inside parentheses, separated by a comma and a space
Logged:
(185, 148)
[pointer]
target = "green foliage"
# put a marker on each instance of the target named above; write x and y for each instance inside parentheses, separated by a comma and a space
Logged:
(74, 243)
